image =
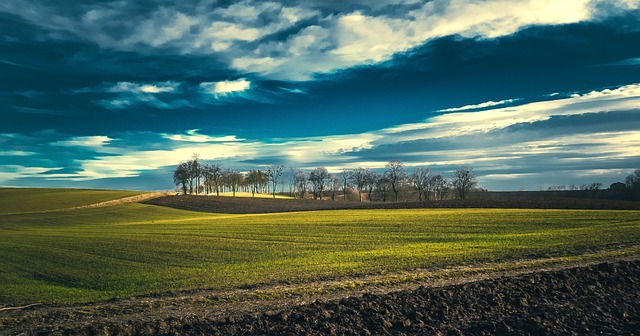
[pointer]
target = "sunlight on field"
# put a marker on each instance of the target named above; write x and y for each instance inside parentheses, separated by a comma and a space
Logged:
(135, 249)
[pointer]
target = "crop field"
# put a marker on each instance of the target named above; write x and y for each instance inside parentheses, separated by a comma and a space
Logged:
(34, 200)
(72, 256)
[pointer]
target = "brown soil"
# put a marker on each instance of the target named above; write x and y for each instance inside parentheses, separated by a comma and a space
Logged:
(597, 299)
(238, 205)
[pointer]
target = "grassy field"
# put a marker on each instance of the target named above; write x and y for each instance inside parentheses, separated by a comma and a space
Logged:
(21, 200)
(135, 249)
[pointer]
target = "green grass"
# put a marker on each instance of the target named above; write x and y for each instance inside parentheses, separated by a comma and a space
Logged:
(16, 200)
(135, 249)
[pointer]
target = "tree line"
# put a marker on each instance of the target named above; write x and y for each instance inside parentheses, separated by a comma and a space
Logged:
(197, 177)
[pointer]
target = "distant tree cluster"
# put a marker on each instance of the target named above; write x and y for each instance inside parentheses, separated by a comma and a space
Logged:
(632, 182)
(197, 177)
(630, 189)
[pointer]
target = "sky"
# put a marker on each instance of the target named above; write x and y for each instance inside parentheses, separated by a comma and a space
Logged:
(114, 94)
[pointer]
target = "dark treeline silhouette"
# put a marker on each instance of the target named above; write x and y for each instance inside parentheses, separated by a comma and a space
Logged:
(395, 183)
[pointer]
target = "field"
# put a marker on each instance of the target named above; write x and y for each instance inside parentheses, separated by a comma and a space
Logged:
(35, 200)
(135, 249)
(75, 256)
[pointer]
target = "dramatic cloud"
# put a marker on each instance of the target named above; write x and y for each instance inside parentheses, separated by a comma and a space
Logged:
(120, 91)
(287, 42)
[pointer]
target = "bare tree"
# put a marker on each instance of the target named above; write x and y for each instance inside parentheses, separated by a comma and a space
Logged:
(233, 179)
(274, 172)
(396, 175)
(358, 176)
(371, 182)
(292, 181)
(344, 179)
(463, 181)
(440, 186)
(632, 182)
(301, 179)
(256, 179)
(420, 178)
(196, 170)
(383, 184)
(181, 176)
(319, 178)
(334, 184)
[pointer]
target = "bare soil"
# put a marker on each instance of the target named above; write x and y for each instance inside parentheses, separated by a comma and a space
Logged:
(595, 299)
(237, 205)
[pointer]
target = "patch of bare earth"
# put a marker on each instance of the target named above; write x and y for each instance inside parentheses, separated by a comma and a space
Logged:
(237, 205)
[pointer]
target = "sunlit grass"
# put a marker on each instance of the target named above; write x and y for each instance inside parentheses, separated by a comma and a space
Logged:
(134, 249)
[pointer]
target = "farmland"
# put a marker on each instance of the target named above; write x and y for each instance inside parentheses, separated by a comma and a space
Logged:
(72, 256)
(135, 249)
(35, 200)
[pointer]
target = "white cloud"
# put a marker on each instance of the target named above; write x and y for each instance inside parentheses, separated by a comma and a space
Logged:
(226, 87)
(194, 136)
(352, 39)
(94, 142)
(13, 172)
(479, 106)
(16, 153)
(128, 87)
(620, 99)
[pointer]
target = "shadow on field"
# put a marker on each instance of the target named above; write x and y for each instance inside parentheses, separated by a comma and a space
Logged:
(238, 205)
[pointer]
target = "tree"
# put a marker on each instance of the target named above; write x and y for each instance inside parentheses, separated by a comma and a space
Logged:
(383, 184)
(319, 178)
(633, 184)
(256, 179)
(344, 178)
(396, 175)
(233, 179)
(463, 181)
(300, 177)
(274, 172)
(358, 176)
(371, 182)
(421, 178)
(440, 186)
(194, 172)
(181, 176)
(335, 184)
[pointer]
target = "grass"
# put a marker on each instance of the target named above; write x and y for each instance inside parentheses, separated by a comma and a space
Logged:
(20, 200)
(134, 249)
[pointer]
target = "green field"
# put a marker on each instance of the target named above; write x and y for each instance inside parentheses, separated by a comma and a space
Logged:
(134, 249)
(33, 200)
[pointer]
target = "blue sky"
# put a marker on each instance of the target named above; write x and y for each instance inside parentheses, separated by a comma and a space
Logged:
(114, 94)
